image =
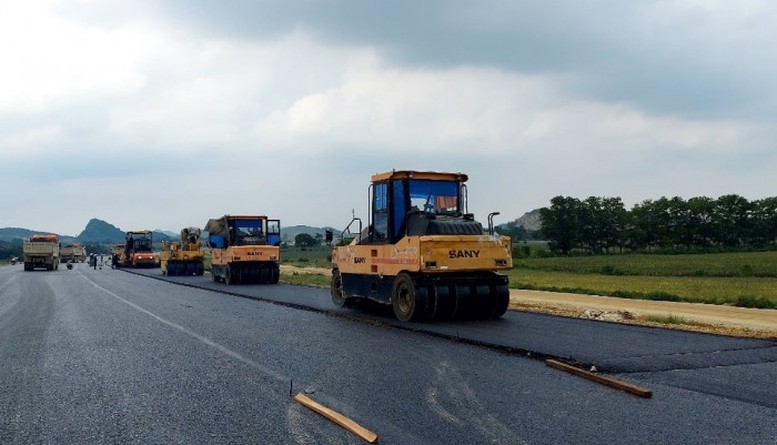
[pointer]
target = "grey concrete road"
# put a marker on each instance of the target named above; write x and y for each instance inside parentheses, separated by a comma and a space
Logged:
(103, 356)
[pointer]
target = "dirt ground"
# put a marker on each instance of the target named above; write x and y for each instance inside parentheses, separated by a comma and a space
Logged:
(697, 317)
(710, 318)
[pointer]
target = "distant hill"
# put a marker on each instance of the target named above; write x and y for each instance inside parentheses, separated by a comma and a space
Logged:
(170, 234)
(15, 233)
(530, 220)
(289, 233)
(100, 232)
(160, 236)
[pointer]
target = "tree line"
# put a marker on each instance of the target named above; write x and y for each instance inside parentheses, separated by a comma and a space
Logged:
(602, 224)
(9, 250)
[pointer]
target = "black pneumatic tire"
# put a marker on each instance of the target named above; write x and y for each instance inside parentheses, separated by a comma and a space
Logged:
(409, 302)
(336, 289)
(228, 279)
(502, 301)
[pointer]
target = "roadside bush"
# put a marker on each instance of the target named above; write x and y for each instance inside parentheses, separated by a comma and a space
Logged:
(522, 251)
(609, 269)
(755, 301)
(661, 296)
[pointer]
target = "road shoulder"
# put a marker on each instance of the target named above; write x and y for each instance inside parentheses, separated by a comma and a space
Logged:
(697, 317)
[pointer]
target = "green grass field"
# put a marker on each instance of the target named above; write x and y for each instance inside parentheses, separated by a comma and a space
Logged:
(296, 256)
(738, 264)
(319, 256)
(741, 279)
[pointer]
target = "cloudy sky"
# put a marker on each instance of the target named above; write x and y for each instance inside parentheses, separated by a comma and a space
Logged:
(163, 113)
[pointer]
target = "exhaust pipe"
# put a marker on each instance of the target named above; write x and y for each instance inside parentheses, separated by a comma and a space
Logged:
(491, 222)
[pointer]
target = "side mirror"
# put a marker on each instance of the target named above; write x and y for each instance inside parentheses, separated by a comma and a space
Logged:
(328, 236)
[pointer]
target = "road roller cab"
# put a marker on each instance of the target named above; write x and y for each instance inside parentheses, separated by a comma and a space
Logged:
(244, 249)
(137, 250)
(422, 252)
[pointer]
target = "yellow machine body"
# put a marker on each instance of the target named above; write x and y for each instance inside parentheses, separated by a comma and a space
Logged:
(245, 254)
(245, 249)
(438, 254)
(184, 257)
(422, 253)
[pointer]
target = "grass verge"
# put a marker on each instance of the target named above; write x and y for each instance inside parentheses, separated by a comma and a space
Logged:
(306, 279)
(733, 264)
(735, 291)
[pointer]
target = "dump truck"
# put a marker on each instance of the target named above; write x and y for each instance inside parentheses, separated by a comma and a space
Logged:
(422, 252)
(244, 249)
(184, 257)
(73, 252)
(41, 251)
(136, 251)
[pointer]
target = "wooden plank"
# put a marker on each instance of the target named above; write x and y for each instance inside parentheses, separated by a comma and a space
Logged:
(337, 418)
(602, 379)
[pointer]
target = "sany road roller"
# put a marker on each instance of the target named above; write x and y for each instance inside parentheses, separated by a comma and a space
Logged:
(422, 252)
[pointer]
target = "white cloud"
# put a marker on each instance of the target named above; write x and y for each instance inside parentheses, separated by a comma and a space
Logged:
(377, 107)
(32, 142)
(51, 62)
(225, 88)
(458, 110)
(131, 107)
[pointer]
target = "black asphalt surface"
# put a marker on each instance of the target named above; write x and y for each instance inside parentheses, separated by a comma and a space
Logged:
(104, 356)
(611, 347)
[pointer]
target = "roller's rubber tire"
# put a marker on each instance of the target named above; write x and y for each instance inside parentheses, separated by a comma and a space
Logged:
(336, 289)
(409, 301)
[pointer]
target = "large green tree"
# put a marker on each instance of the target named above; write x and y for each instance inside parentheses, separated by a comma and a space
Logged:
(599, 224)
(305, 240)
(560, 223)
(732, 220)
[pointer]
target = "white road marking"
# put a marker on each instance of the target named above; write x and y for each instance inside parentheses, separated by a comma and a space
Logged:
(223, 349)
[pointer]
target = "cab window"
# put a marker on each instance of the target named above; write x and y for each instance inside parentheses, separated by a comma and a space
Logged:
(380, 212)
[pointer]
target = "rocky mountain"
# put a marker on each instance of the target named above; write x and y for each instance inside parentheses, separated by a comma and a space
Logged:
(95, 232)
(100, 232)
(530, 220)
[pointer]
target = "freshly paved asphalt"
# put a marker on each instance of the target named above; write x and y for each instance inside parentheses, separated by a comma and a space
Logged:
(611, 347)
(104, 356)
